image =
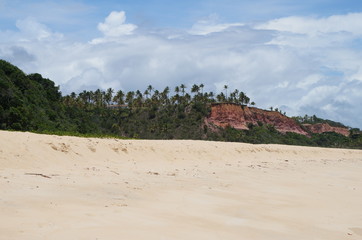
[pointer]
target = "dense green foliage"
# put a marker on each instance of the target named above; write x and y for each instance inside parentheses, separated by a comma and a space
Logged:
(33, 103)
(314, 120)
(29, 102)
(267, 134)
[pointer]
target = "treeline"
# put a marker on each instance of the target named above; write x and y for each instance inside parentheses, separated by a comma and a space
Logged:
(151, 113)
(33, 103)
(151, 96)
(314, 120)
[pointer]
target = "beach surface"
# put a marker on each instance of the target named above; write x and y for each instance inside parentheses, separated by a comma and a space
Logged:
(55, 187)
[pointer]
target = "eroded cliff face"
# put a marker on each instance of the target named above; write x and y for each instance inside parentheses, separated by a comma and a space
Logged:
(238, 117)
(233, 115)
(325, 127)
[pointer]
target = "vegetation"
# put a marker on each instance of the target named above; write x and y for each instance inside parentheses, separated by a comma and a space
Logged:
(266, 134)
(314, 120)
(33, 103)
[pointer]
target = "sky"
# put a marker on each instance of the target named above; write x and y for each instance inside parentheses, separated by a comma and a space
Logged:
(303, 57)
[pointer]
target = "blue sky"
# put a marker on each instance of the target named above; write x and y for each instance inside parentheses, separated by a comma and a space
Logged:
(304, 57)
(75, 15)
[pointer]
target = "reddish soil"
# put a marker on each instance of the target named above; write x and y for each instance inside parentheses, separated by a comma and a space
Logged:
(239, 117)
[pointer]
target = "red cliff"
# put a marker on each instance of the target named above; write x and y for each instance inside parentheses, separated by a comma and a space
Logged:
(325, 127)
(239, 117)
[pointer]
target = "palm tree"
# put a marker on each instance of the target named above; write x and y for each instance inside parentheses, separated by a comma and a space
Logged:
(155, 97)
(98, 97)
(202, 88)
(177, 89)
(139, 99)
(129, 98)
(164, 95)
(139, 94)
(90, 95)
(241, 98)
(211, 96)
(195, 89)
(73, 95)
(103, 98)
(83, 97)
(226, 91)
(150, 89)
(235, 96)
(175, 98)
(183, 86)
(146, 92)
(221, 97)
(119, 98)
(187, 98)
(109, 96)
(247, 100)
(232, 97)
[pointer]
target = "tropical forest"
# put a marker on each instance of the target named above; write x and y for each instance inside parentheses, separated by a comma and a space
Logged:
(29, 102)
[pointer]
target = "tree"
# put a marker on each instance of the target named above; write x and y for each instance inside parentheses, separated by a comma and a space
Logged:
(183, 86)
(83, 97)
(210, 96)
(177, 89)
(164, 95)
(202, 88)
(97, 97)
(139, 99)
(234, 96)
(108, 97)
(90, 95)
(146, 92)
(247, 100)
(119, 97)
(226, 91)
(241, 98)
(129, 98)
(221, 97)
(73, 95)
(150, 89)
(195, 89)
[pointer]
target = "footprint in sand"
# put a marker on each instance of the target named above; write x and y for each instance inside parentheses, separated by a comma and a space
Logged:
(62, 147)
(92, 148)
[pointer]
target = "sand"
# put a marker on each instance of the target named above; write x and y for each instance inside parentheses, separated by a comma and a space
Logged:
(56, 187)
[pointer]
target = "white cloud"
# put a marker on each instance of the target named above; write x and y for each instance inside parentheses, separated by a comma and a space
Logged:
(30, 29)
(309, 81)
(307, 32)
(115, 26)
(211, 25)
(319, 94)
(357, 74)
(307, 73)
(350, 23)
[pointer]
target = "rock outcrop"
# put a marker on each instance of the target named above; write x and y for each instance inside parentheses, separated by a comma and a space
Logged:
(325, 127)
(239, 117)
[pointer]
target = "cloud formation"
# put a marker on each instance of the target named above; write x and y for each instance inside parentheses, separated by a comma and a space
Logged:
(302, 65)
(350, 23)
(211, 25)
(115, 26)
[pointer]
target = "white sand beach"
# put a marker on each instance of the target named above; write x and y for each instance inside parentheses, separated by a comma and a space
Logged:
(56, 187)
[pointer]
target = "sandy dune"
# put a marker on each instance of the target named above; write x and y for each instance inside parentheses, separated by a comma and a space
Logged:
(76, 188)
